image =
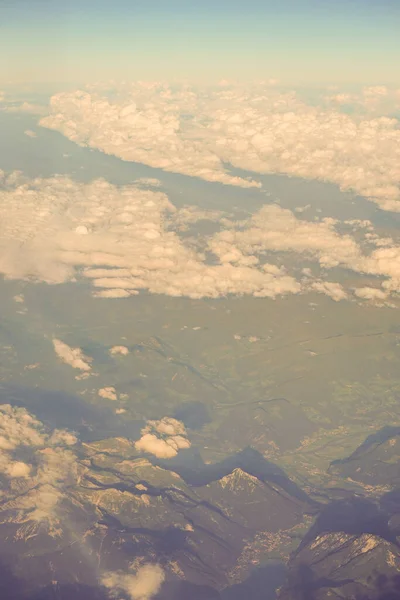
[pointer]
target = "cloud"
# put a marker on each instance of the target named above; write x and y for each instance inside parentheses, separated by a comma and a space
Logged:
(73, 357)
(152, 444)
(114, 293)
(18, 469)
(148, 182)
(26, 107)
(163, 438)
(30, 133)
(167, 426)
(109, 393)
(142, 585)
(188, 215)
(128, 246)
(258, 129)
(119, 350)
(150, 135)
(329, 288)
(276, 229)
(122, 240)
(369, 293)
(48, 465)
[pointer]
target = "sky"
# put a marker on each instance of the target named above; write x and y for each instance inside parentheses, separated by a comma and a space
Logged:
(303, 42)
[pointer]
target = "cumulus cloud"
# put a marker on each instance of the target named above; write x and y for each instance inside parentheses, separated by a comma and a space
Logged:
(48, 465)
(369, 293)
(152, 444)
(150, 134)
(143, 584)
(109, 393)
(119, 350)
(30, 133)
(18, 469)
(128, 246)
(329, 288)
(279, 230)
(73, 357)
(168, 426)
(122, 240)
(163, 438)
(188, 215)
(258, 129)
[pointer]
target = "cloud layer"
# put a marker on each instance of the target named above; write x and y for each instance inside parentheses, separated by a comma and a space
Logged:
(122, 240)
(258, 129)
(117, 239)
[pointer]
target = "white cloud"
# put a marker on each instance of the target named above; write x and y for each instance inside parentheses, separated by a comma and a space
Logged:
(152, 444)
(128, 246)
(163, 438)
(168, 426)
(71, 356)
(150, 135)
(258, 129)
(369, 293)
(30, 133)
(119, 350)
(18, 469)
(142, 585)
(114, 293)
(192, 214)
(39, 484)
(275, 229)
(329, 288)
(109, 393)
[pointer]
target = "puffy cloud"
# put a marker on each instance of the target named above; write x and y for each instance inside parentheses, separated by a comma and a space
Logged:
(30, 133)
(119, 350)
(128, 245)
(142, 585)
(167, 426)
(17, 469)
(369, 293)
(152, 444)
(192, 214)
(109, 393)
(329, 288)
(163, 438)
(40, 483)
(258, 129)
(150, 134)
(121, 240)
(71, 356)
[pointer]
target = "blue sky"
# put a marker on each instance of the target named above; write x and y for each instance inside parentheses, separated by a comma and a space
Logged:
(296, 41)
